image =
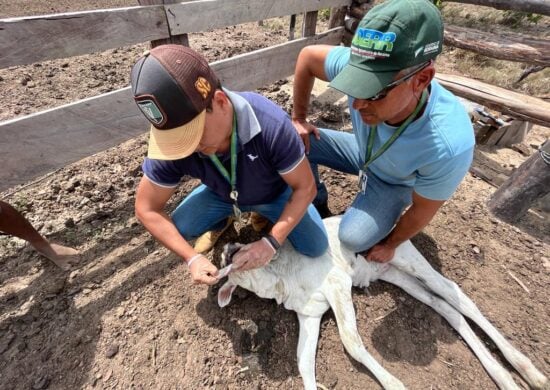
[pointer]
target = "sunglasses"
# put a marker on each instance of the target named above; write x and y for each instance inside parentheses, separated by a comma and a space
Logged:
(386, 90)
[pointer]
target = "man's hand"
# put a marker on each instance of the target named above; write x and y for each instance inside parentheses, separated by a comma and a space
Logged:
(203, 271)
(254, 255)
(304, 128)
(380, 253)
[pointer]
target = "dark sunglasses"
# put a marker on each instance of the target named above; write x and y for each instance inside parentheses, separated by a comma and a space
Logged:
(386, 90)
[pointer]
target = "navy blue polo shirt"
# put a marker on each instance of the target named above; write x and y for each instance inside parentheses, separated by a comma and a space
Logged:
(268, 146)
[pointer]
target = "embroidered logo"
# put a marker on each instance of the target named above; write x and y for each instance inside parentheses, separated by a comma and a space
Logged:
(417, 51)
(368, 39)
(151, 111)
(203, 87)
(431, 47)
(251, 157)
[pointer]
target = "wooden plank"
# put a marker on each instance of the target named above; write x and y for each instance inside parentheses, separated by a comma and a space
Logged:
(26, 40)
(488, 169)
(39, 143)
(534, 6)
(310, 24)
(181, 39)
(279, 59)
(511, 47)
(514, 104)
(31, 39)
(217, 14)
(42, 142)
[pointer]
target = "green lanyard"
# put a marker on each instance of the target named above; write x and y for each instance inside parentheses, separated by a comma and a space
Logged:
(233, 178)
(395, 135)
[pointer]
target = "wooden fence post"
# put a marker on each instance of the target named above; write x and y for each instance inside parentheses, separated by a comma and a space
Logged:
(181, 39)
(310, 24)
(292, 27)
(337, 17)
(530, 182)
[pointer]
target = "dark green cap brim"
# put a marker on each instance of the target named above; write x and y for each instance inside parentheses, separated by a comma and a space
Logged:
(360, 83)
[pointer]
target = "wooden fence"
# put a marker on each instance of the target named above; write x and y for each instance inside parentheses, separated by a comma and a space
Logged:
(41, 142)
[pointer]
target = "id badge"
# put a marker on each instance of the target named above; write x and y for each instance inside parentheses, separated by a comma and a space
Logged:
(363, 181)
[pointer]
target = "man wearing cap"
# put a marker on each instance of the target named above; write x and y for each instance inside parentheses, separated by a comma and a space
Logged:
(241, 146)
(412, 141)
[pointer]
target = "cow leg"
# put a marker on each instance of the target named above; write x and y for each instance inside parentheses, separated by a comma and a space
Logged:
(307, 346)
(413, 263)
(502, 378)
(338, 293)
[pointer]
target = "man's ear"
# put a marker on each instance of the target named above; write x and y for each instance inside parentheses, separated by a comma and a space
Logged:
(220, 98)
(424, 78)
(225, 292)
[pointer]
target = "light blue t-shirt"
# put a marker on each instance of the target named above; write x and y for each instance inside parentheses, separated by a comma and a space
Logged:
(434, 152)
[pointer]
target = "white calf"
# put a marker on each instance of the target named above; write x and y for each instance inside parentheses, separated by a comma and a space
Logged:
(312, 286)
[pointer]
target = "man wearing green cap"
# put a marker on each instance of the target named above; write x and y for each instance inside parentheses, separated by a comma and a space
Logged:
(412, 140)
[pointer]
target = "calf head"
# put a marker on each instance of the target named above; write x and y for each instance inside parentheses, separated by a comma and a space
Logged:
(261, 281)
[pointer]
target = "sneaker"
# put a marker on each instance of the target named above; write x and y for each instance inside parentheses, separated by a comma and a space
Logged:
(323, 210)
(258, 221)
(207, 241)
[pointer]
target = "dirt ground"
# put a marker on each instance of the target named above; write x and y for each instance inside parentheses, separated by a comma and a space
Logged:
(129, 317)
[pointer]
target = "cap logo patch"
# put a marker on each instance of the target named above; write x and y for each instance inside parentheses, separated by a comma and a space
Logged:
(151, 111)
(203, 87)
(366, 38)
(431, 47)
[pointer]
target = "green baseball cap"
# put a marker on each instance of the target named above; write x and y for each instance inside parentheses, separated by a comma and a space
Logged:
(392, 36)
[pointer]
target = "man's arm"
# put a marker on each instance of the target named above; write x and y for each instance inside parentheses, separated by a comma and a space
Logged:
(150, 202)
(310, 65)
(302, 183)
(419, 214)
(260, 252)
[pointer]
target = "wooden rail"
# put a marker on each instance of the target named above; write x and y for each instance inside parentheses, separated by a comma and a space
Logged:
(38, 38)
(39, 143)
(515, 104)
(533, 6)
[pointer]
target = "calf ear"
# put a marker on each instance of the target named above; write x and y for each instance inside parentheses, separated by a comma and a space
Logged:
(225, 292)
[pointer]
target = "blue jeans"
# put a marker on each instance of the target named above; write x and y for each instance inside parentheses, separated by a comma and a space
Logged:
(203, 210)
(372, 215)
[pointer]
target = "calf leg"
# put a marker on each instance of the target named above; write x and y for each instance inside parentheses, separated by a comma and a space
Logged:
(413, 263)
(338, 293)
(307, 345)
(412, 286)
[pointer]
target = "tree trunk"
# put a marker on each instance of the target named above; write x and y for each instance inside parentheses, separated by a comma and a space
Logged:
(503, 46)
(530, 182)
(534, 6)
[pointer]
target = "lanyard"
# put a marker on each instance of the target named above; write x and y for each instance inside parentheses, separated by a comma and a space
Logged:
(395, 135)
(233, 178)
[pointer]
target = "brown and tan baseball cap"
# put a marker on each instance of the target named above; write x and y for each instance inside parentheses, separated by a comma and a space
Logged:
(172, 86)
